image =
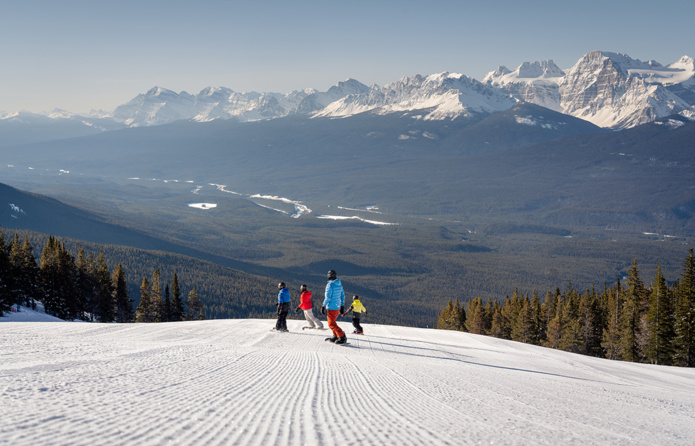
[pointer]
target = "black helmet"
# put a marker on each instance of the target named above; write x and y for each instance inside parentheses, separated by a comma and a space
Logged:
(281, 285)
(355, 297)
(332, 275)
(303, 288)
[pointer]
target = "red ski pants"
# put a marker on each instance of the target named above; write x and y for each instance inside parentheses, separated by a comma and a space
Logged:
(333, 325)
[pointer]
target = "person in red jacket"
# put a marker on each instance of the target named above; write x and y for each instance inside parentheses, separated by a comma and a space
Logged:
(308, 311)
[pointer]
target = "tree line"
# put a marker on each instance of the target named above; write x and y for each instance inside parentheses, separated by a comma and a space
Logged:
(81, 287)
(626, 321)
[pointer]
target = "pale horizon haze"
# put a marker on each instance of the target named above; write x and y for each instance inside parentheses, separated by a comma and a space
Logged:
(88, 55)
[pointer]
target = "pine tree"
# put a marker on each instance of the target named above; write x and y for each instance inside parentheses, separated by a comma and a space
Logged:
(571, 339)
(448, 318)
(124, 305)
(461, 316)
(536, 335)
(592, 323)
(5, 276)
(630, 317)
(176, 302)
(166, 312)
(194, 310)
(499, 324)
(522, 331)
(684, 324)
(478, 320)
(156, 297)
(553, 336)
(144, 311)
(610, 339)
(659, 322)
(105, 304)
(30, 272)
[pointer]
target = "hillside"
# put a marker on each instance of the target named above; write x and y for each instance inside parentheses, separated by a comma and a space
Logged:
(234, 382)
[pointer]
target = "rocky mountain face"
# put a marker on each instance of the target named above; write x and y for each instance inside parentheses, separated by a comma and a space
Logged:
(608, 89)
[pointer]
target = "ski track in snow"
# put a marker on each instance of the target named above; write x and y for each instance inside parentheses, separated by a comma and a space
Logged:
(234, 382)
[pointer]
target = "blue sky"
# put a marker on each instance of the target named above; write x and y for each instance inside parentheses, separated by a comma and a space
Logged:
(82, 55)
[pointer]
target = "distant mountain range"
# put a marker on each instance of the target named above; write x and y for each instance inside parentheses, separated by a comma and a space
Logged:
(610, 90)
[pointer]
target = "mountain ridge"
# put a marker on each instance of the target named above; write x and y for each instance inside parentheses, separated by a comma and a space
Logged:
(608, 89)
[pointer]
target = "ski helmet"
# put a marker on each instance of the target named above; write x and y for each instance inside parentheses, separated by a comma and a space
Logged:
(302, 288)
(332, 275)
(355, 297)
(281, 285)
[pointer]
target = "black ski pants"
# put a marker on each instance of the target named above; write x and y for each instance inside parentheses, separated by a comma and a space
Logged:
(283, 310)
(356, 324)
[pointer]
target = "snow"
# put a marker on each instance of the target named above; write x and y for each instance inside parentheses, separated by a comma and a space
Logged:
(354, 217)
(235, 382)
(203, 205)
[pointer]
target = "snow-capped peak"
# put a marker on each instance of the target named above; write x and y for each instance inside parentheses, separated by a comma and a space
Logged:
(439, 96)
(526, 72)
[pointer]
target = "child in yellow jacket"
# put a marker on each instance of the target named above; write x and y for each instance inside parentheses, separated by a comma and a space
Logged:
(357, 310)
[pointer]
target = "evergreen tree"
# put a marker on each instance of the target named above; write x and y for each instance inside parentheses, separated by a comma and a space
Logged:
(176, 302)
(659, 322)
(448, 318)
(499, 324)
(166, 313)
(156, 297)
(630, 316)
(194, 307)
(553, 336)
(571, 339)
(462, 316)
(684, 324)
(84, 285)
(105, 304)
(144, 312)
(478, 320)
(124, 305)
(522, 331)
(592, 323)
(610, 339)
(6, 300)
(536, 335)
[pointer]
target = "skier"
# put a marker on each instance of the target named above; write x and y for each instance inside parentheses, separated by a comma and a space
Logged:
(357, 309)
(334, 305)
(283, 308)
(305, 305)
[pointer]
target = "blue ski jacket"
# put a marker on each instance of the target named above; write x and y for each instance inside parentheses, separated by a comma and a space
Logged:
(335, 295)
(284, 296)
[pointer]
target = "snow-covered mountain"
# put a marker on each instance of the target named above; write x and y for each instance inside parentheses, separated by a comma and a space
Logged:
(234, 382)
(536, 83)
(613, 90)
(608, 89)
(161, 106)
(437, 97)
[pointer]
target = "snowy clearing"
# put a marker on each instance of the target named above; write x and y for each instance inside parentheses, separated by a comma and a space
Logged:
(203, 205)
(235, 382)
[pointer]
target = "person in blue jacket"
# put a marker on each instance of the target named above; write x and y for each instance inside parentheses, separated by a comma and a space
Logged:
(283, 308)
(334, 305)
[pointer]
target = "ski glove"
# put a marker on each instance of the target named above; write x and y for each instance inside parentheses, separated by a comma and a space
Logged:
(342, 310)
(296, 310)
(323, 310)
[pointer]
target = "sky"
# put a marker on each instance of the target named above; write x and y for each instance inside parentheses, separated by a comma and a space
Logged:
(82, 55)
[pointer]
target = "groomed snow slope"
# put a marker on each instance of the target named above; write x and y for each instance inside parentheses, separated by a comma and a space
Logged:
(234, 382)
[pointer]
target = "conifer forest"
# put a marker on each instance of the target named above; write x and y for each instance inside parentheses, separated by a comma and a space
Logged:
(627, 321)
(81, 286)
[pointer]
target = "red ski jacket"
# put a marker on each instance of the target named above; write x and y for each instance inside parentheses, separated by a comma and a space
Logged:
(306, 300)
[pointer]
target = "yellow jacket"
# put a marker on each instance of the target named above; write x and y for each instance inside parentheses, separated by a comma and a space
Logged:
(357, 307)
